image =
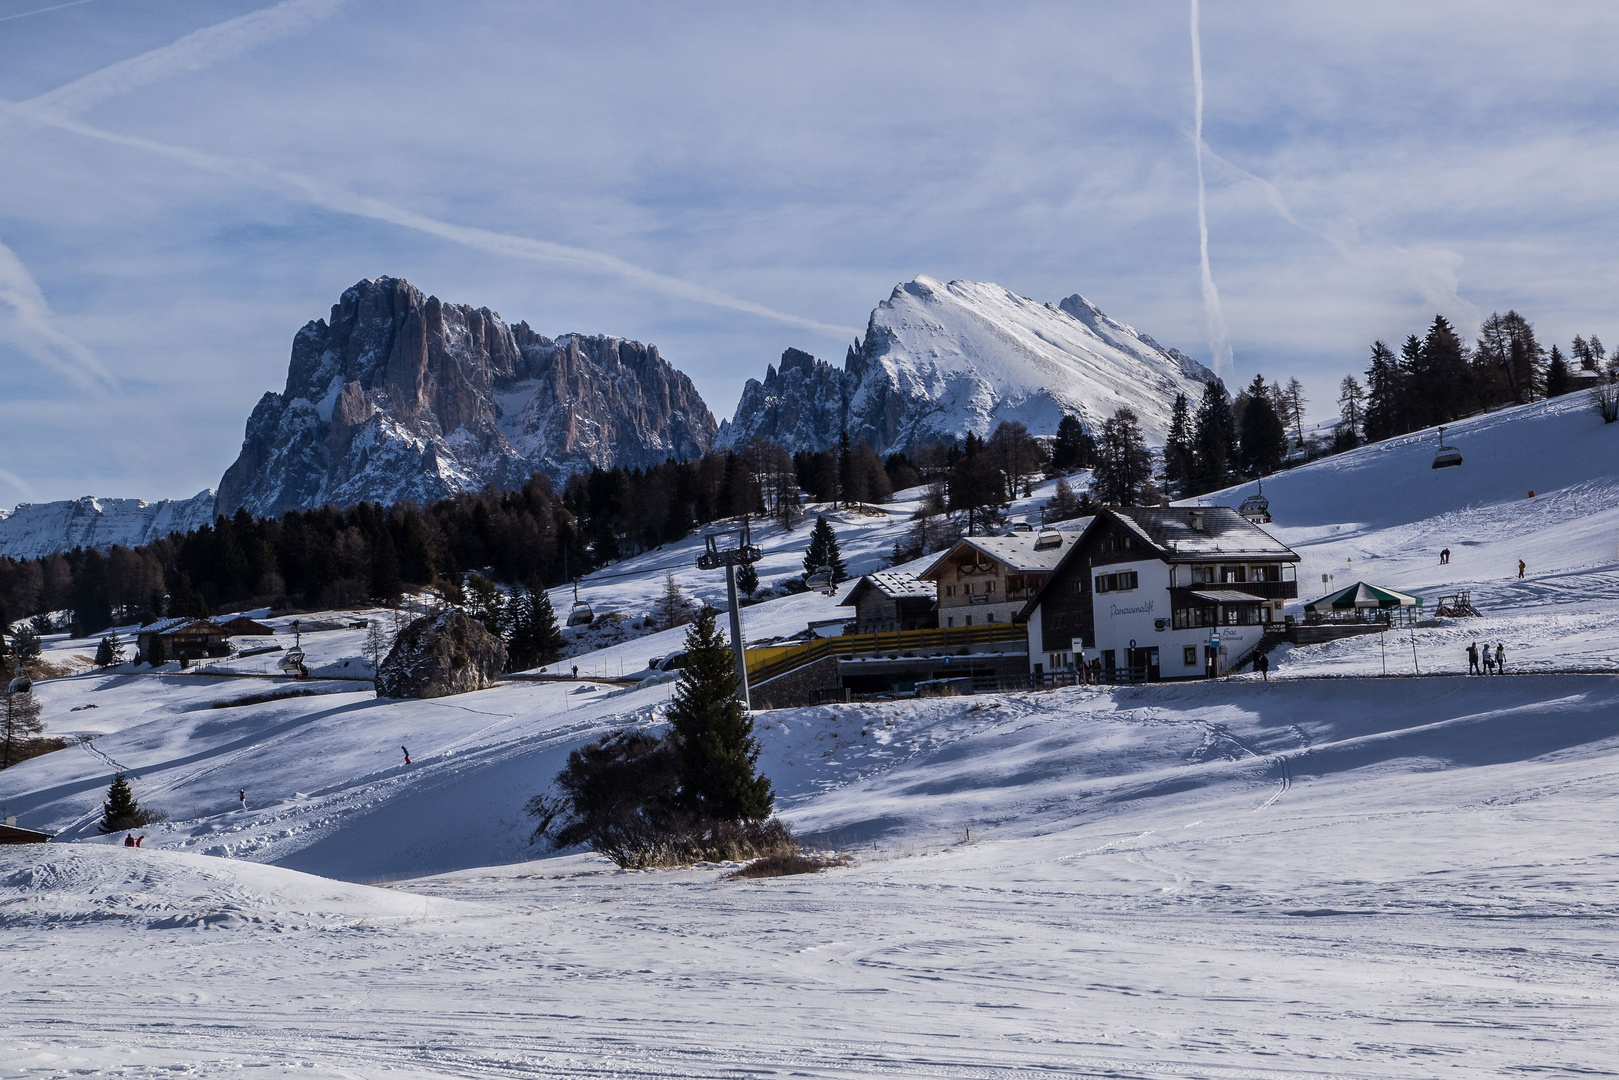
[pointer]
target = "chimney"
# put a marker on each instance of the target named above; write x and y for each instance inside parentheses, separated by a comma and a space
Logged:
(1197, 521)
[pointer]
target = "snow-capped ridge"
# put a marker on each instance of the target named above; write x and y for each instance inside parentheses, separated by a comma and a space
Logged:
(34, 530)
(939, 360)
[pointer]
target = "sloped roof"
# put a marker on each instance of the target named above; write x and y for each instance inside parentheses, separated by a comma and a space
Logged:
(894, 584)
(171, 626)
(1193, 532)
(1022, 553)
(1227, 596)
(1362, 595)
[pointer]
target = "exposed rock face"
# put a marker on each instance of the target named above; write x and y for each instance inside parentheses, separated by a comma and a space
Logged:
(36, 529)
(938, 361)
(439, 655)
(402, 397)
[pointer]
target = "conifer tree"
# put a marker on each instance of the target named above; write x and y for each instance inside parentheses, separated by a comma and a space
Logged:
(823, 551)
(533, 637)
(1383, 379)
(1557, 376)
(21, 718)
(747, 579)
(1123, 473)
(1215, 439)
(1071, 449)
(110, 652)
(120, 811)
(1178, 453)
(1264, 439)
(846, 478)
(671, 607)
(157, 653)
(715, 748)
(1351, 410)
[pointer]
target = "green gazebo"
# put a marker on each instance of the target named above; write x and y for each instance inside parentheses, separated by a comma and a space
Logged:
(1362, 602)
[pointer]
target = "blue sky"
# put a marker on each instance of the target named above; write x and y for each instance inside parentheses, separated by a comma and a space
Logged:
(183, 185)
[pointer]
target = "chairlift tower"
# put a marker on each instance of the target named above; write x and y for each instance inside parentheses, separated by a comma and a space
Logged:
(730, 556)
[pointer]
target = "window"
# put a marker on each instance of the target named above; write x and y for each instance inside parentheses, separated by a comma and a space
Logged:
(950, 621)
(1079, 586)
(950, 590)
(1189, 655)
(990, 617)
(1202, 575)
(1014, 583)
(989, 586)
(1105, 582)
(1059, 619)
(1264, 572)
(969, 620)
(1233, 574)
(1127, 580)
(1190, 618)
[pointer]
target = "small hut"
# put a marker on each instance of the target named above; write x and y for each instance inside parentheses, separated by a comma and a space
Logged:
(1362, 602)
(891, 600)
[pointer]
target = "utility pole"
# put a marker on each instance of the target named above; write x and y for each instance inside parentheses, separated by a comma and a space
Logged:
(730, 557)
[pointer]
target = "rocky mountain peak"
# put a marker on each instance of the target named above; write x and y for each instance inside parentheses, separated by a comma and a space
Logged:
(401, 396)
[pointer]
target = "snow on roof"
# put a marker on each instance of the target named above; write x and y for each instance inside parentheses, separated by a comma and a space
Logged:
(1195, 531)
(1023, 552)
(163, 626)
(894, 584)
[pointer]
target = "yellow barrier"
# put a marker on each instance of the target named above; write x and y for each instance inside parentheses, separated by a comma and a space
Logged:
(770, 661)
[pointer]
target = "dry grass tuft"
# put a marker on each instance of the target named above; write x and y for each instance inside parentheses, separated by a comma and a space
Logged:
(786, 865)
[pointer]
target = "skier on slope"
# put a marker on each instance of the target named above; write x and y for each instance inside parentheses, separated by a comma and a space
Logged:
(407, 755)
(1444, 556)
(1521, 568)
(242, 798)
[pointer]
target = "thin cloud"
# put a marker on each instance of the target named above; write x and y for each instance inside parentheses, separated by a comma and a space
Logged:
(32, 328)
(43, 10)
(1219, 336)
(23, 487)
(193, 52)
(307, 190)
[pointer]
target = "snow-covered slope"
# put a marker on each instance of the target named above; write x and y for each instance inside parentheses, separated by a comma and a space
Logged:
(35, 529)
(939, 360)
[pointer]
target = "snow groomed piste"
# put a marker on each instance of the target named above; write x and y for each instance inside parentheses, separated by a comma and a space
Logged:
(1333, 874)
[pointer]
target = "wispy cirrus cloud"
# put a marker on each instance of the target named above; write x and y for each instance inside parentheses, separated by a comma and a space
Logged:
(31, 327)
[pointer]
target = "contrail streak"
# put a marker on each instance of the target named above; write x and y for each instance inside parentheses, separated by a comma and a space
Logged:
(41, 11)
(32, 328)
(1219, 337)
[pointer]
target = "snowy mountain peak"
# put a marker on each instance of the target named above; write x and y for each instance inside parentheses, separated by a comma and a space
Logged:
(941, 359)
(34, 530)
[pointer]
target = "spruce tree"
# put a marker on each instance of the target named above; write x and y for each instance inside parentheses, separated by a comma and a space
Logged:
(1351, 410)
(1215, 439)
(1123, 473)
(1178, 453)
(532, 637)
(1383, 379)
(715, 748)
(846, 477)
(747, 579)
(1264, 438)
(120, 811)
(157, 653)
(104, 654)
(1070, 450)
(1557, 376)
(823, 551)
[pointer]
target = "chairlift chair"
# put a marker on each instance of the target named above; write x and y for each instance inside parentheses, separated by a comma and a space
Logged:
(580, 614)
(22, 684)
(1256, 508)
(293, 663)
(1447, 457)
(819, 580)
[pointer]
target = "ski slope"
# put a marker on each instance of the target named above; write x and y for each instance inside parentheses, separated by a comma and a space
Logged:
(1327, 875)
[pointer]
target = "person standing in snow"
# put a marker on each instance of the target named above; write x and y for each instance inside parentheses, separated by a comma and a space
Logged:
(129, 839)
(1489, 660)
(407, 755)
(139, 838)
(576, 671)
(1444, 556)
(1472, 659)
(1262, 665)
(242, 797)
(1520, 568)
(1500, 658)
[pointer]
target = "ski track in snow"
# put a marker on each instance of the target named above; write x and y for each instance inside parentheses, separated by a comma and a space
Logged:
(1329, 875)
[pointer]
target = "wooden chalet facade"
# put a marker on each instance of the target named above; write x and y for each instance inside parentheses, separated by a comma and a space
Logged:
(183, 639)
(1160, 593)
(889, 601)
(988, 579)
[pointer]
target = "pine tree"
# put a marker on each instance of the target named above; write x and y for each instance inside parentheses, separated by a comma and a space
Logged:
(1264, 438)
(1071, 449)
(1178, 447)
(157, 653)
(1351, 410)
(1557, 376)
(671, 608)
(1123, 473)
(110, 652)
(25, 644)
(846, 477)
(747, 579)
(21, 718)
(532, 637)
(1294, 395)
(715, 747)
(823, 551)
(120, 811)
(1215, 439)
(1383, 379)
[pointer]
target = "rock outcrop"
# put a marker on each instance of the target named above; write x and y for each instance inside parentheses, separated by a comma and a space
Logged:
(400, 396)
(440, 655)
(938, 361)
(36, 529)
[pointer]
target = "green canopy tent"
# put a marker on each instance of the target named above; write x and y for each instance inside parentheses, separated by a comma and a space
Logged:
(1360, 600)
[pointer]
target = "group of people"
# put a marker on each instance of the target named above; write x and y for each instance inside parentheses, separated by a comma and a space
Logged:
(1444, 560)
(1495, 662)
(131, 840)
